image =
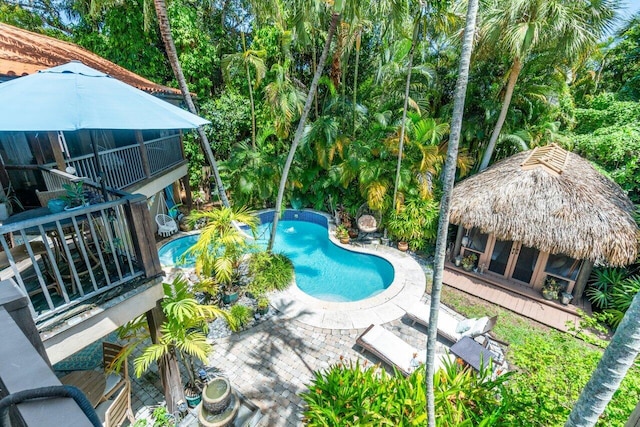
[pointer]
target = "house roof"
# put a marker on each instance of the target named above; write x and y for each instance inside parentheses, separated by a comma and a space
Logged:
(23, 52)
(576, 210)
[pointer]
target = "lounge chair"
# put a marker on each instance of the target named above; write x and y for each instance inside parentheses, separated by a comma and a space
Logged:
(391, 349)
(450, 327)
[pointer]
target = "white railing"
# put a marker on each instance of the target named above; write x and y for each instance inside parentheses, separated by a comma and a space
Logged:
(66, 258)
(124, 166)
(163, 153)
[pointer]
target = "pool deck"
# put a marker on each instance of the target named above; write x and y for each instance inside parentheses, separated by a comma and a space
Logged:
(407, 287)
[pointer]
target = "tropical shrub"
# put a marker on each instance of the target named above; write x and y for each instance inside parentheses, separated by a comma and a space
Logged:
(416, 222)
(348, 394)
(611, 290)
(184, 331)
(221, 244)
(269, 272)
(241, 315)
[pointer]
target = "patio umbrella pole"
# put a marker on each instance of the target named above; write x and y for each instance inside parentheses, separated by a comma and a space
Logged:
(99, 168)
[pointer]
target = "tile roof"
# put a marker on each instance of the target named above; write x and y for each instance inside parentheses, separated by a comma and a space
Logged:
(23, 52)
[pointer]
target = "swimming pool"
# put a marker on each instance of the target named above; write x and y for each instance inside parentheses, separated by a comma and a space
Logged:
(323, 269)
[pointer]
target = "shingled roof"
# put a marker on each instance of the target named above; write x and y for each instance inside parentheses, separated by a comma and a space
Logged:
(23, 52)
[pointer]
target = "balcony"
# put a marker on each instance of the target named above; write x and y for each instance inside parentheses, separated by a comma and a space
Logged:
(125, 166)
(85, 271)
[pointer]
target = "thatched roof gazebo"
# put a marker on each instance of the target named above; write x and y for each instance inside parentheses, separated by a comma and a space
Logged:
(552, 200)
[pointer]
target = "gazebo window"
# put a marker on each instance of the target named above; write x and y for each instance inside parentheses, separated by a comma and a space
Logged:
(475, 240)
(563, 266)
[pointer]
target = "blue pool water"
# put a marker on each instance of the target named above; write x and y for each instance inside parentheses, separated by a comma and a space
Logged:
(323, 270)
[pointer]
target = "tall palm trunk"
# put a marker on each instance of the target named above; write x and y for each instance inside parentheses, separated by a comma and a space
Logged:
(335, 17)
(355, 81)
(253, 106)
(170, 47)
(618, 357)
(445, 202)
(403, 125)
(516, 67)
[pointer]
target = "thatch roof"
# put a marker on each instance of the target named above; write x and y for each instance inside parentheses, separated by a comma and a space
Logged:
(577, 212)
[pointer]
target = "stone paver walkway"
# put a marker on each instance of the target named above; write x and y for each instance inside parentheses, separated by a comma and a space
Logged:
(271, 363)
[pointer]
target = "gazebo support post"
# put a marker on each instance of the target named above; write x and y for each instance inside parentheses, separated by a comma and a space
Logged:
(581, 280)
(458, 244)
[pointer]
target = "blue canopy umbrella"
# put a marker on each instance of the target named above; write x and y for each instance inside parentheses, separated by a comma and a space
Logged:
(73, 97)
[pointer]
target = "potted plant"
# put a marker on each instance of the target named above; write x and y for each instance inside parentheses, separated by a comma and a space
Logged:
(457, 260)
(342, 233)
(550, 289)
(469, 262)
(7, 202)
(262, 306)
(414, 224)
(565, 297)
(74, 196)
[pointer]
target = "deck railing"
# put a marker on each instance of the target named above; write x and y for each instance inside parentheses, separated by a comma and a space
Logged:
(62, 259)
(125, 166)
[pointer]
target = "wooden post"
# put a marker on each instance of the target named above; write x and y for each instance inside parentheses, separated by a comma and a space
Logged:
(143, 153)
(142, 235)
(581, 280)
(57, 152)
(168, 367)
(458, 244)
(187, 192)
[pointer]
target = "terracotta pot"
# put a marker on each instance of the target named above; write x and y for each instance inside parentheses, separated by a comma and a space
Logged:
(344, 240)
(403, 246)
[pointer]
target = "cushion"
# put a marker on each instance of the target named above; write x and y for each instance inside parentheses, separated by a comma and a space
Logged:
(477, 328)
(464, 325)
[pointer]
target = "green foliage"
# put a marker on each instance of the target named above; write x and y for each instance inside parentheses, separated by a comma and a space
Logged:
(221, 244)
(269, 272)
(608, 133)
(230, 116)
(348, 394)
(612, 290)
(415, 223)
(119, 35)
(553, 368)
(183, 332)
(241, 315)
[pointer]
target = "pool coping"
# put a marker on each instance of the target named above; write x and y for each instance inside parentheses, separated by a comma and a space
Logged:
(407, 288)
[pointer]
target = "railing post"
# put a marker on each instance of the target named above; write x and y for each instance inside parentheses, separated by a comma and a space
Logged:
(142, 234)
(143, 153)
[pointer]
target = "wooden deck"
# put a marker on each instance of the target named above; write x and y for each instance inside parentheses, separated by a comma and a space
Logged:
(519, 299)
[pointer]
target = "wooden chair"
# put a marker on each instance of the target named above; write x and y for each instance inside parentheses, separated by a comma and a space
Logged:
(113, 413)
(114, 380)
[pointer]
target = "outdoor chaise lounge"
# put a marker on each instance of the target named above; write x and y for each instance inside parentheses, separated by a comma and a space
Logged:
(391, 349)
(450, 327)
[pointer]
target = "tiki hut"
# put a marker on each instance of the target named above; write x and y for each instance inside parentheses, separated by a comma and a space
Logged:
(544, 214)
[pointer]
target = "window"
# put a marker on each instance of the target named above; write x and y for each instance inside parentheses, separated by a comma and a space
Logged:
(563, 266)
(475, 240)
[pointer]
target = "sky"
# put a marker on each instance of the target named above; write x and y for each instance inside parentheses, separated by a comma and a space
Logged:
(632, 7)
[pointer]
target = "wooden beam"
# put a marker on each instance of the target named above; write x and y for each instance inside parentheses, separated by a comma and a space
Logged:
(143, 153)
(57, 151)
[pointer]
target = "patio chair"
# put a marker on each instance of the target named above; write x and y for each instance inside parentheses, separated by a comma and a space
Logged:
(114, 380)
(448, 326)
(391, 349)
(113, 413)
(166, 225)
(45, 196)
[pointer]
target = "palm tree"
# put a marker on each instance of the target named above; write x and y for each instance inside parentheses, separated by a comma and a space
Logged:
(167, 38)
(284, 100)
(335, 17)
(445, 201)
(616, 360)
(522, 27)
(252, 57)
